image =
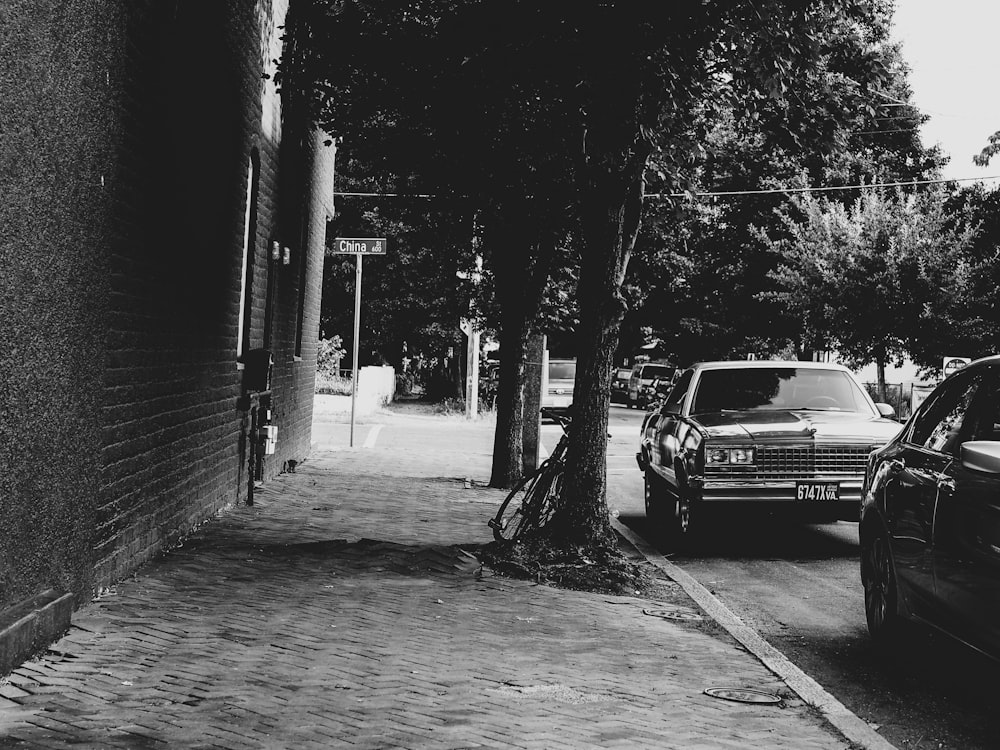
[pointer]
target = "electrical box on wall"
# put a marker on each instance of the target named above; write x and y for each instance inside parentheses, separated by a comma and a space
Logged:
(269, 435)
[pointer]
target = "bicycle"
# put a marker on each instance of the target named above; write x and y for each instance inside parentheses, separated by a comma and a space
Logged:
(531, 504)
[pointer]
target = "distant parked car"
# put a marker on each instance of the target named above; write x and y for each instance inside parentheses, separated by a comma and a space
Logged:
(930, 515)
(559, 383)
(619, 385)
(640, 394)
(789, 437)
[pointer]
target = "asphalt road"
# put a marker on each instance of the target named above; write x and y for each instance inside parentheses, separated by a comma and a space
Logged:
(798, 586)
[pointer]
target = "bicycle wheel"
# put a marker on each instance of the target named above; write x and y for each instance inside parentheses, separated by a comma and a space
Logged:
(519, 509)
(544, 503)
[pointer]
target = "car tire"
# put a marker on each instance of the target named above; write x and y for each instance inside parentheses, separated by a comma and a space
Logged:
(653, 499)
(679, 524)
(670, 518)
(878, 574)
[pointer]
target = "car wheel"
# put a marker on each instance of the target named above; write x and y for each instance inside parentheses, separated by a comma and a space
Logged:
(881, 591)
(671, 519)
(679, 526)
(653, 498)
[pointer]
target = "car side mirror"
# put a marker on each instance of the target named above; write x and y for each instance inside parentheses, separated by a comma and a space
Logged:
(981, 455)
(886, 410)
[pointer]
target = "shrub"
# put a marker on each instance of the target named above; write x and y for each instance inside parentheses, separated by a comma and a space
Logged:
(329, 355)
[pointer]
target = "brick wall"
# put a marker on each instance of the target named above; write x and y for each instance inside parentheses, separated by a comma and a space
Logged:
(120, 426)
(54, 150)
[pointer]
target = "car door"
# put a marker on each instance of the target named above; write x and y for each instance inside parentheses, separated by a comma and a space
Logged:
(967, 529)
(914, 469)
(671, 429)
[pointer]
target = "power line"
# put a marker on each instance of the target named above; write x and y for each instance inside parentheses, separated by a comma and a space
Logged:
(820, 189)
(385, 195)
(768, 191)
(880, 132)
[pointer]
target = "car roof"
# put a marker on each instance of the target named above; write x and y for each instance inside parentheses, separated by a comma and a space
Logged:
(991, 358)
(761, 363)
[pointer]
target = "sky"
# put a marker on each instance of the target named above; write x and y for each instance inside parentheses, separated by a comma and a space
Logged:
(951, 47)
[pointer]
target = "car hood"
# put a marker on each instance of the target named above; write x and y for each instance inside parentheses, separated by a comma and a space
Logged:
(762, 425)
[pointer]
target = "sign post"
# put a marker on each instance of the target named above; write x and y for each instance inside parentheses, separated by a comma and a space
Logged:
(357, 247)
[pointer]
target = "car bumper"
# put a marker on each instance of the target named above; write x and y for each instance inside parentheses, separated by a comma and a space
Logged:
(781, 497)
(557, 402)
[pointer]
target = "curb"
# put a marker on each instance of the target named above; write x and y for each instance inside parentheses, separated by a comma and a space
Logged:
(27, 627)
(854, 729)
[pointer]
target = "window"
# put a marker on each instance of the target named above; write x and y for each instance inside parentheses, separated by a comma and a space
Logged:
(810, 389)
(562, 370)
(650, 372)
(939, 426)
(303, 261)
(673, 402)
(984, 416)
(246, 272)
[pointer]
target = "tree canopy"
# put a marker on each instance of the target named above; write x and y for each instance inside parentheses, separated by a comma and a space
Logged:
(866, 278)
(553, 119)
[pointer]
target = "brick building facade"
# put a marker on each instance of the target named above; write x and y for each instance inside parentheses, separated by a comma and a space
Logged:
(164, 215)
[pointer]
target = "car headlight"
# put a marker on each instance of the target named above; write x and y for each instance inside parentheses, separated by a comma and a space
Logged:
(741, 456)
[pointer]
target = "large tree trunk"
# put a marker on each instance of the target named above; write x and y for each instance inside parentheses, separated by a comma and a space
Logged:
(612, 205)
(507, 253)
(507, 442)
(521, 270)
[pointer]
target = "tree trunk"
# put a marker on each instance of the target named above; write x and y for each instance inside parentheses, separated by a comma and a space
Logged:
(508, 271)
(507, 440)
(880, 367)
(612, 205)
(521, 270)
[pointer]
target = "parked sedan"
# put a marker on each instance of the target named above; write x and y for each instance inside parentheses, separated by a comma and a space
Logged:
(930, 516)
(790, 437)
(619, 385)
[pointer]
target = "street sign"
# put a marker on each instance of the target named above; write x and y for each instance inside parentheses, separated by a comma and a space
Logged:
(359, 245)
(951, 364)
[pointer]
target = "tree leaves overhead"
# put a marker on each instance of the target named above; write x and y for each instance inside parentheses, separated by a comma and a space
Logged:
(844, 133)
(868, 278)
(549, 118)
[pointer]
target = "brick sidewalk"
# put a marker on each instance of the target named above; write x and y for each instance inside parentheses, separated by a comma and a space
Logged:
(342, 611)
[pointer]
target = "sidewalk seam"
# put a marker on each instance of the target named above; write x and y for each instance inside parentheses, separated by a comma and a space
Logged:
(853, 727)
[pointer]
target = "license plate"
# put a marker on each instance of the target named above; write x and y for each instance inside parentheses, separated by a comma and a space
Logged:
(820, 491)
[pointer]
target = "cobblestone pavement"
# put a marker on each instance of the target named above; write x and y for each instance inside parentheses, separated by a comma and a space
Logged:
(344, 610)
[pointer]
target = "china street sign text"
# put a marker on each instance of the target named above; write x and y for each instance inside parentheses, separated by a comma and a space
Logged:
(360, 246)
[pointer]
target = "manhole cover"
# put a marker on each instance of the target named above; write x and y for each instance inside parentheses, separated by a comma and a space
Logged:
(742, 695)
(674, 613)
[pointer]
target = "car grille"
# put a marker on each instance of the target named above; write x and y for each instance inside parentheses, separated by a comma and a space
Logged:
(804, 462)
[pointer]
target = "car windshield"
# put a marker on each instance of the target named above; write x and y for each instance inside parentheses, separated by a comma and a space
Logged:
(657, 371)
(562, 370)
(772, 388)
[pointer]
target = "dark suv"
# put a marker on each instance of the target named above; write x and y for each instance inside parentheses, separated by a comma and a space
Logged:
(930, 515)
